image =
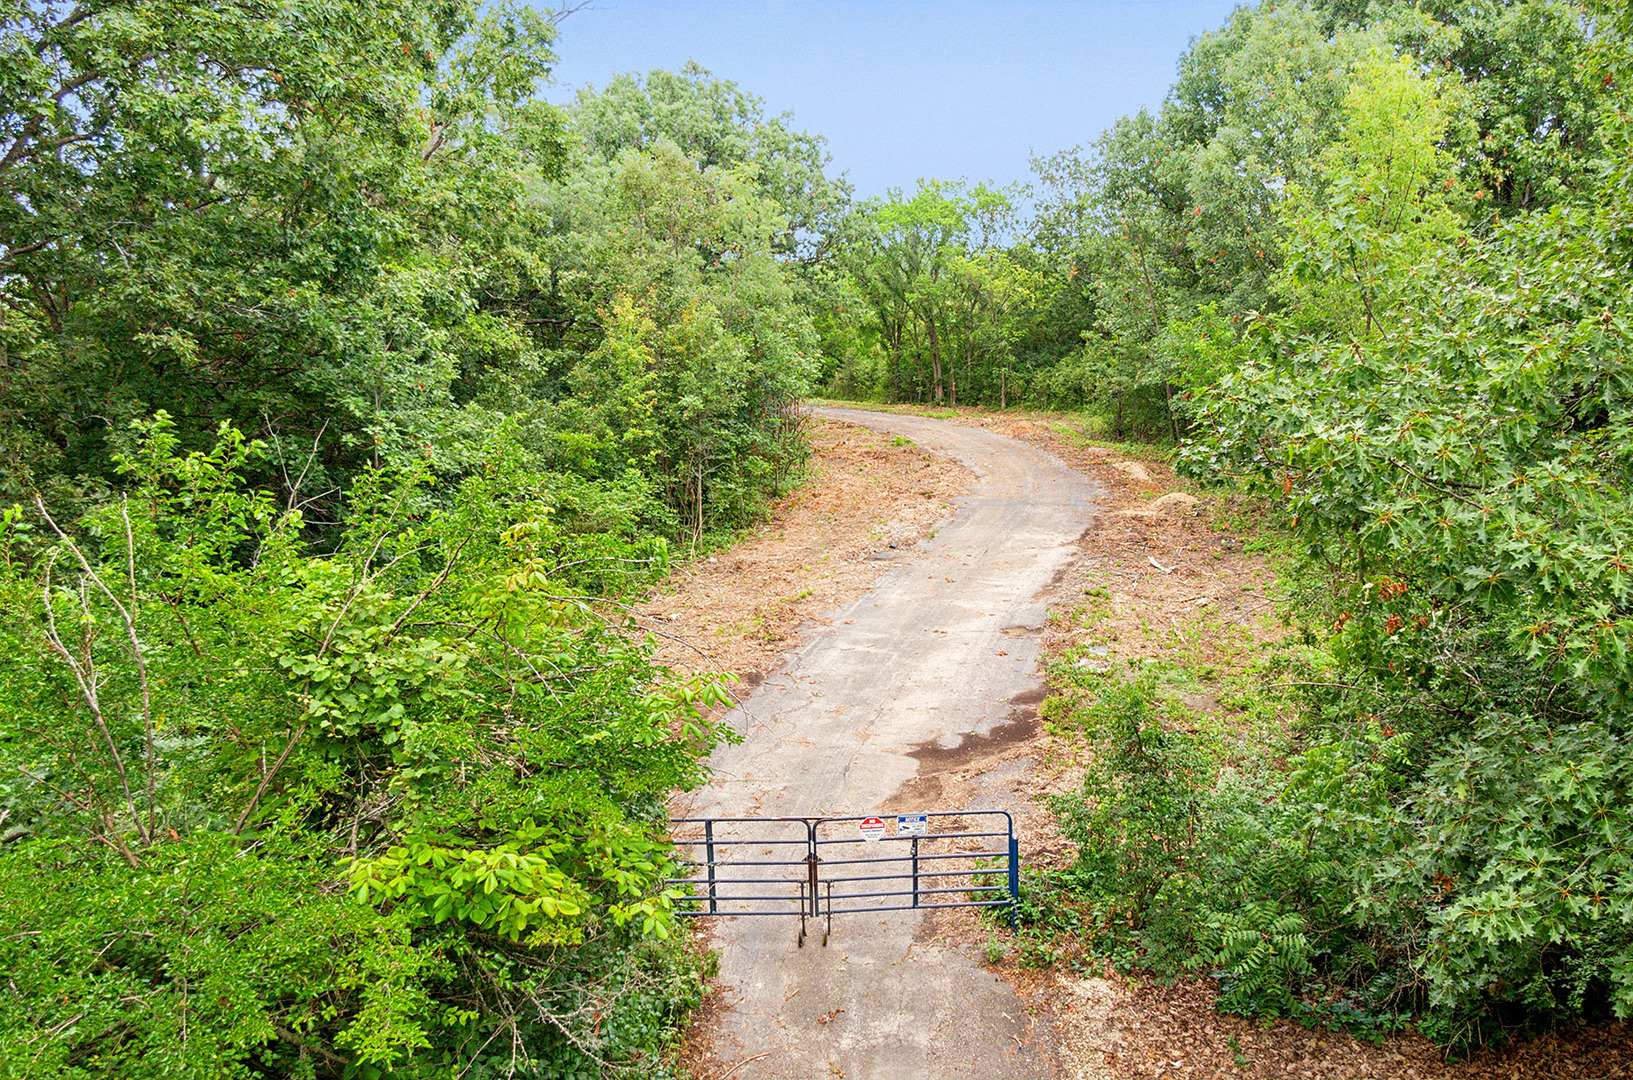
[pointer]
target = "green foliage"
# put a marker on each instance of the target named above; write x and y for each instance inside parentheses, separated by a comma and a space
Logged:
(1444, 421)
(238, 212)
(718, 125)
(1391, 202)
(361, 670)
(512, 889)
(329, 813)
(1135, 815)
(1465, 467)
(688, 348)
(1240, 869)
(1307, 157)
(360, 235)
(1532, 137)
(1178, 211)
(1524, 849)
(949, 309)
(1185, 865)
(203, 960)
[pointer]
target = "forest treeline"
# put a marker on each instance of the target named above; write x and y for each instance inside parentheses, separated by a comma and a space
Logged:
(1370, 264)
(348, 388)
(1121, 280)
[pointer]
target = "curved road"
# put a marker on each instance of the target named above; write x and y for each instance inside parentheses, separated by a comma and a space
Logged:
(936, 653)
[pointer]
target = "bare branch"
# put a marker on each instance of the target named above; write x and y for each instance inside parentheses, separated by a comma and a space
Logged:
(1432, 486)
(141, 668)
(328, 639)
(554, 16)
(85, 677)
(333, 1060)
(436, 583)
(266, 779)
(112, 841)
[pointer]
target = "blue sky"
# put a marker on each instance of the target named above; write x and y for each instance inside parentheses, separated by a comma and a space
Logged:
(904, 89)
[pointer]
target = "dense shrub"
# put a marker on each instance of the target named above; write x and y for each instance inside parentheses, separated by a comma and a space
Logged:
(379, 812)
(1444, 419)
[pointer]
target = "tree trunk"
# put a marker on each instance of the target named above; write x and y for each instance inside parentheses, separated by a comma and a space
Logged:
(935, 360)
(969, 359)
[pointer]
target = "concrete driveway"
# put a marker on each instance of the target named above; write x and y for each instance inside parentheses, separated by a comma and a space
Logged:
(936, 654)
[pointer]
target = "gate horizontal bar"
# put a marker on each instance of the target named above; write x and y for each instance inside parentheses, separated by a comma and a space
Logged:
(899, 837)
(822, 818)
(944, 872)
(921, 892)
(907, 858)
(688, 841)
(864, 817)
(872, 908)
(744, 862)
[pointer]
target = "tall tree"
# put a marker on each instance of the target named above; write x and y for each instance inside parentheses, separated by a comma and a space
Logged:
(1449, 432)
(912, 260)
(242, 210)
(688, 347)
(1391, 202)
(716, 123)
(1530, 135)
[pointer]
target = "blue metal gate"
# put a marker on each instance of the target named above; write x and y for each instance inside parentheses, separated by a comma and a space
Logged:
(819, 867)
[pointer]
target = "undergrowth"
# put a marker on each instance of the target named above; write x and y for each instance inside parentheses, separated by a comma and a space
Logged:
(1351, 859)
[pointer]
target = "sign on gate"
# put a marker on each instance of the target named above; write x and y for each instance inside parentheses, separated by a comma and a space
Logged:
(819, 867)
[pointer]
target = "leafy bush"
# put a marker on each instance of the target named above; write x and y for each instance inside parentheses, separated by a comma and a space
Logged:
(1135, 818)
(1448, 434)
(1517, 878)
(364, 814)
(1246, 870)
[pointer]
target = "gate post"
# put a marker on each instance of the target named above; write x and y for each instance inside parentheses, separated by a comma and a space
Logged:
(1014, 880)
(811, 864)
(915, 871)
(708, 853)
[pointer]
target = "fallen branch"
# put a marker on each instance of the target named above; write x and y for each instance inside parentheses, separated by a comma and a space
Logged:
(741, 1063)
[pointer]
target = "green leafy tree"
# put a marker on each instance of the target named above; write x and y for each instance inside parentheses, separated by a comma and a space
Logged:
(1196, 204)
(1532, 135)
(1462, 472)
(1391, 202)
(1254, 107)
(686, 345)
(717, 124)
(923, 265)
(241, 211)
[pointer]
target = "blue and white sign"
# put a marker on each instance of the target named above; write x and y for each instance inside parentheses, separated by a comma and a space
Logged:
(913, 825)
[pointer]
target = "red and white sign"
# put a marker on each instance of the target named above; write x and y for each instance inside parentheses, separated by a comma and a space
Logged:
(872, 828)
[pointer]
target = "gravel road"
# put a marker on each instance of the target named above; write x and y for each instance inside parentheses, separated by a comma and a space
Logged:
(938, 652)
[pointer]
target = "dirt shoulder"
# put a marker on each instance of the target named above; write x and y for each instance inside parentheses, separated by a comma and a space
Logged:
(1165, 573)
(825, 543)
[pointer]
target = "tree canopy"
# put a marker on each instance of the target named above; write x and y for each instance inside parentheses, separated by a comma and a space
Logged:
(346, 395)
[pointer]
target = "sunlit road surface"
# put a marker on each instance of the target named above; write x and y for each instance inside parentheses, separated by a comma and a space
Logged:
(936, 652)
